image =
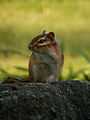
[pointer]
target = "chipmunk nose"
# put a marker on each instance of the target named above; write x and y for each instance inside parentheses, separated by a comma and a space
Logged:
(29, 46)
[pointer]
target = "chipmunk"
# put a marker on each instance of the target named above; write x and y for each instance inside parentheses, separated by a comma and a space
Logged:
(46, 60)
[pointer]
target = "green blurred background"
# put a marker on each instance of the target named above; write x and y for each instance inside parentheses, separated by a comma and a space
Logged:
(21, 20)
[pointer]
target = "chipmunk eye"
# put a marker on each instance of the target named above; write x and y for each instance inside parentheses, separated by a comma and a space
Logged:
(41, 41)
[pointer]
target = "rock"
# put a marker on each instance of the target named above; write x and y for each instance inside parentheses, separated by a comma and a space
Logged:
(62, 100)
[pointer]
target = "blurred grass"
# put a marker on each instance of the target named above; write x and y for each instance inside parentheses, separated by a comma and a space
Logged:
(20, 20)
(74, 67)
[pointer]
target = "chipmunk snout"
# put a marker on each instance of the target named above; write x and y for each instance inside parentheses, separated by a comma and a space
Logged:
(30, 46)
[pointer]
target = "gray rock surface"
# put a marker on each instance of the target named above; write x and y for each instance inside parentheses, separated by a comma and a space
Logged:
(62, 100)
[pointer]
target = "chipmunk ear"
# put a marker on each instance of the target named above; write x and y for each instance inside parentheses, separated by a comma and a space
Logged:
(51, 34)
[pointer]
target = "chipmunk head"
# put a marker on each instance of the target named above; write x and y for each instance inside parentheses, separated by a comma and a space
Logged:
(42, 42)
